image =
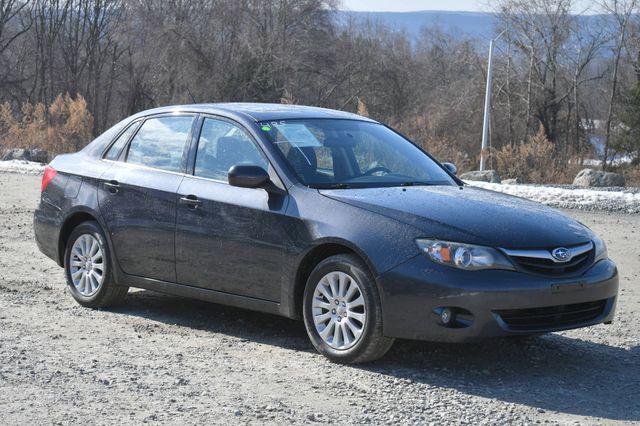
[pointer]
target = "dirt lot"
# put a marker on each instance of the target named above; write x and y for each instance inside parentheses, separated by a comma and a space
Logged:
(171, 360)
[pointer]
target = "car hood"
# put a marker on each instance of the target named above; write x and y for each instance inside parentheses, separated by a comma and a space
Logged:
(471, 215)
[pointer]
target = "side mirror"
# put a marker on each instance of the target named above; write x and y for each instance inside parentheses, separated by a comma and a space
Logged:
(248, 176)
(451, 168)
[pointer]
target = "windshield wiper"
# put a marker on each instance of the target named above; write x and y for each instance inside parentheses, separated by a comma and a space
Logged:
(417, 183)
(331, 186)
(341, 185)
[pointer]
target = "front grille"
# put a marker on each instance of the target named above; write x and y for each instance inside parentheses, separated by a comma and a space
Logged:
(551, 317)
(549, 267)
(541, 262)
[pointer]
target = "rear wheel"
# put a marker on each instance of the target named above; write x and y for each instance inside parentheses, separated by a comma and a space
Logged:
(88, 268)
(342, 311)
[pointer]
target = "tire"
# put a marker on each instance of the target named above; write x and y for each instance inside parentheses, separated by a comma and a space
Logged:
(352, 315)
(98, 290)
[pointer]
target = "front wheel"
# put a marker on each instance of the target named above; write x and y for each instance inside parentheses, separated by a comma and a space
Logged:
(88, 268)
(342, 311)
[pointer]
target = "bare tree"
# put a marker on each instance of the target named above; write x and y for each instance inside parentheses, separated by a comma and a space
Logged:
(123, 56)
(622, 12)
(14, 23)
(11, 24)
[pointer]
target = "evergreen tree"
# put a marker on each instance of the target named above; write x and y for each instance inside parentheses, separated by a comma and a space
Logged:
(628, 137)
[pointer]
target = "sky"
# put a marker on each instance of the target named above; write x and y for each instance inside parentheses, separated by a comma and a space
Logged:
(412, 5)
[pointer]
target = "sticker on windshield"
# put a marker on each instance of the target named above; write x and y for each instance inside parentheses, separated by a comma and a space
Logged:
(265, 128)
(298, 135)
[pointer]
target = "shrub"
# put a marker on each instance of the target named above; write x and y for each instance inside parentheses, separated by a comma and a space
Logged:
(71, 122)
(631, 172)
(534, 161)
(362, 108)
(63, 127)
(438, 146)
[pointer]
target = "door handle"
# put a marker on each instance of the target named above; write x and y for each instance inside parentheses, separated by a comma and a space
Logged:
(113, 186)
(191, 201)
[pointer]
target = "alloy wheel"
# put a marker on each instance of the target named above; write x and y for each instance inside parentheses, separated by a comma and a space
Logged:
(338, 310)
(86, 265)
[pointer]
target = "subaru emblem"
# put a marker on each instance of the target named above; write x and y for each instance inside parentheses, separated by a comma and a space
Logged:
(561, 254)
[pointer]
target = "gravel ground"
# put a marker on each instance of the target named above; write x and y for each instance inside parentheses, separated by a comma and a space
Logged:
(162, 359)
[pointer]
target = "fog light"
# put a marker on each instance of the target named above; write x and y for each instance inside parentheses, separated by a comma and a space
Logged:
(447, 316)
(452, 317)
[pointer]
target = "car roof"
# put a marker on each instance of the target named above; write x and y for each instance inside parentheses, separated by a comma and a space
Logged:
(259, 111)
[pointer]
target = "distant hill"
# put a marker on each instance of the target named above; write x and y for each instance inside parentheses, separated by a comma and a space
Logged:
(478, 25)
(474, 24)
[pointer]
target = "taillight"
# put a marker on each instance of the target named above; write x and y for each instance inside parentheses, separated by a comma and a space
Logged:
(49, 174)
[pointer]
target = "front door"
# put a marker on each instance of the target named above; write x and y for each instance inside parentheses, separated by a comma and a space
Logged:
(229, 239)
(137, 197)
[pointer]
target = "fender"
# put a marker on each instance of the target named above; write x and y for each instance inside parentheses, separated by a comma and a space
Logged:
(293, 284)
(83, 209)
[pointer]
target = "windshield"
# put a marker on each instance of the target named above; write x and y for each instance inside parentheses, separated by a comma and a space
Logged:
(328, 153)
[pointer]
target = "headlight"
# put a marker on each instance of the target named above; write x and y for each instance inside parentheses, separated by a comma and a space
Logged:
(600, 247)
(464, 256)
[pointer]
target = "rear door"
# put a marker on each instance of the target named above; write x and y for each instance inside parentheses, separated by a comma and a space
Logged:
(137, 196)
(229, 239)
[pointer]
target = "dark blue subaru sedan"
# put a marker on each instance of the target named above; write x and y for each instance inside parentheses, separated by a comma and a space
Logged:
(314, 214)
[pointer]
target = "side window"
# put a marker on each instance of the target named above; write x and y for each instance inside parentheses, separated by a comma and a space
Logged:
(114, 151)
(160, 143)
(223, 145)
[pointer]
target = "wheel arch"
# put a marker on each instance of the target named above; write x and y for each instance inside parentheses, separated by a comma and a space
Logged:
(73, 219)
(308, 260)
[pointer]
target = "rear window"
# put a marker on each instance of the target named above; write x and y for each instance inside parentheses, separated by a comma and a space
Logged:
(114, 151)
(160, 143)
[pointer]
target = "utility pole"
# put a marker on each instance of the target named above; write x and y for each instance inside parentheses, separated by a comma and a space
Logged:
(487, 102)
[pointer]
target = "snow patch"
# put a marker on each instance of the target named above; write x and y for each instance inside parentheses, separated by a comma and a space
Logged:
(570, 198)
(22, 167)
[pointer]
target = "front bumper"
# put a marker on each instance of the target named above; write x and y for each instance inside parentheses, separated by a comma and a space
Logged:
(414, 293)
